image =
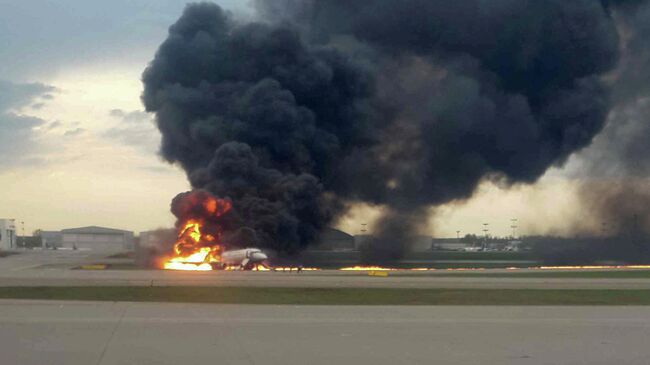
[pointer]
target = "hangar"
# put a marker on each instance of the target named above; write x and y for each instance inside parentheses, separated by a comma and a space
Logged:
(96, 238)
(334, 240)
(51, 239)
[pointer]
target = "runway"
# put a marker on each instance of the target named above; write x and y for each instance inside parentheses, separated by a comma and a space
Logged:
(107, 333)
(55, 269)
(69, 333)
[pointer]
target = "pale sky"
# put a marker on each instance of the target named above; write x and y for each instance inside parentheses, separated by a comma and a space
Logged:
(77, 149)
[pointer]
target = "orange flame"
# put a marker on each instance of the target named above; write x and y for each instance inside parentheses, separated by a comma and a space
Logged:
(594, 267)
(584, 268)
(196, 261)
(367, 268)
(193, 250)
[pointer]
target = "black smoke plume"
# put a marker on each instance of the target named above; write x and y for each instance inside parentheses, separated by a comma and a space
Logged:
(615, 192)
(405, 104)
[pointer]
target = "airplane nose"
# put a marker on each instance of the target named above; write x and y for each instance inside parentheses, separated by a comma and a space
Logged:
(259, 256)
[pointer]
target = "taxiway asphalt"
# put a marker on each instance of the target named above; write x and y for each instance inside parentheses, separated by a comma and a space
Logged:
(55, 268)
(70, 333)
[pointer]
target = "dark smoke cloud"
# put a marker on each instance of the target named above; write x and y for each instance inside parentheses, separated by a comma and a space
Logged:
(478, 88)
(391, 237)
(406, 104)
(621, 205)
(619, 159)
(632, 78)
(255, 115)
(285, 211)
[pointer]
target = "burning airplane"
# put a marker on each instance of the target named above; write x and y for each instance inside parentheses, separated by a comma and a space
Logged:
(207, 259)
(201, 244)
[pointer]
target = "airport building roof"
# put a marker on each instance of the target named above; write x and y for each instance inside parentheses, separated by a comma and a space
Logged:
(332, 233)
(94, 230)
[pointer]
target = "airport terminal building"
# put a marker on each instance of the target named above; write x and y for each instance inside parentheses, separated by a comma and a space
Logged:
(8, 239)
(450, 244)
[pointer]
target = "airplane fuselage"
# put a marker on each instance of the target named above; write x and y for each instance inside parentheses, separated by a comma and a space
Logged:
(246, 259)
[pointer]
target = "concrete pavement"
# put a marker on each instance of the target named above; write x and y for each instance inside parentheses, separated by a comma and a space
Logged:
(53, 268)
(70, 333)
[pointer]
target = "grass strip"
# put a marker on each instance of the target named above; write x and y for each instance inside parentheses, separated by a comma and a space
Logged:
(333, 296)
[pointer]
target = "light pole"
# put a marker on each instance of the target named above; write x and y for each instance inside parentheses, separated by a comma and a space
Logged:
(485, 230)
(514, 227)
(363, 228)
(22, 223)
